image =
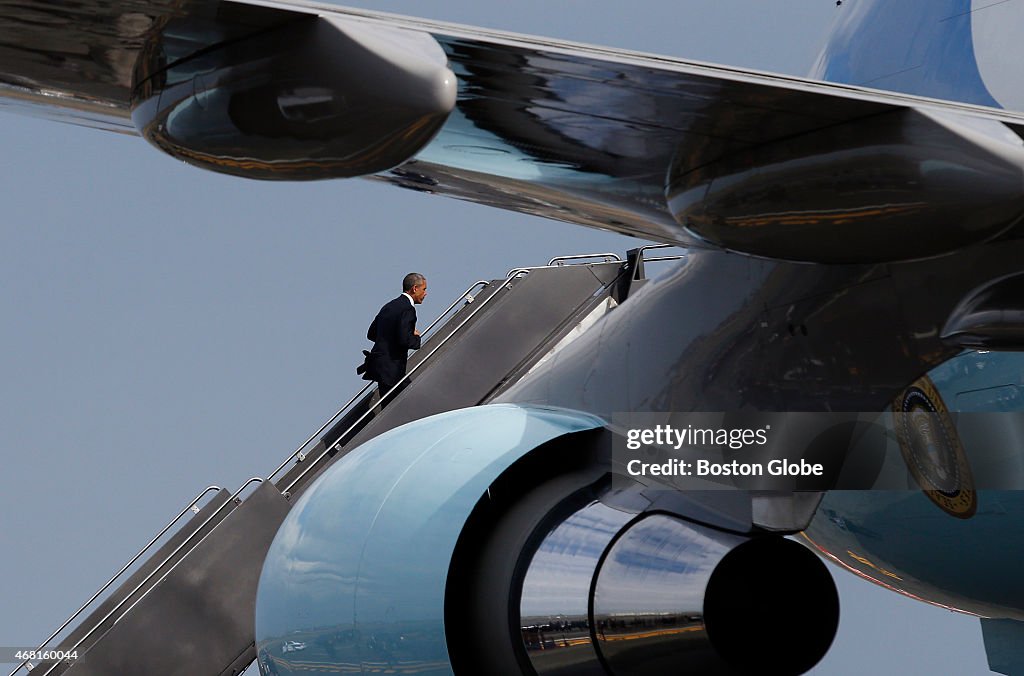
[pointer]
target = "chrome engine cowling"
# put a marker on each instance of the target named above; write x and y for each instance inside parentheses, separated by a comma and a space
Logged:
(290, 99)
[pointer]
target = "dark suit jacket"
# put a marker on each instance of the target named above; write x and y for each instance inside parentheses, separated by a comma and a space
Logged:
(392, 334)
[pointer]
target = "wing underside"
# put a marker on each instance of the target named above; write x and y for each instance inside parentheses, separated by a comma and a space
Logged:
(595, 136)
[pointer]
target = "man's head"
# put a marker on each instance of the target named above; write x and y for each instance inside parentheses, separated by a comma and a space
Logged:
(415, 285)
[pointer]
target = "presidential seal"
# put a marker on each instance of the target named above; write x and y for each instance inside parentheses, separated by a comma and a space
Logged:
(932, 449)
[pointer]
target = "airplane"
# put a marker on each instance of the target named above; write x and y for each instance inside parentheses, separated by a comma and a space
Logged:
(980, 135)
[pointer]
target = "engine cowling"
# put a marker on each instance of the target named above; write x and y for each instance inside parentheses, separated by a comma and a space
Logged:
(490, 541)
(292, 99)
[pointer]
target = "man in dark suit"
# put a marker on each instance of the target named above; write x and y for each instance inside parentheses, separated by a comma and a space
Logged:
(393, 332)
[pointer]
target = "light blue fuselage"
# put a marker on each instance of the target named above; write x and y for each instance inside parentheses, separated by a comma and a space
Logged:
(958, 50)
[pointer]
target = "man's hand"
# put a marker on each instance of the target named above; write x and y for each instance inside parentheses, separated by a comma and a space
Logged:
(415, 332)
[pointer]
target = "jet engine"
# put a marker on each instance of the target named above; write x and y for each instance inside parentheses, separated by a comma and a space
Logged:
(492, 540)
(286, 98)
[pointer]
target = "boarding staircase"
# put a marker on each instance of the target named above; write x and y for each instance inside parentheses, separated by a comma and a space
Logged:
(185, 604)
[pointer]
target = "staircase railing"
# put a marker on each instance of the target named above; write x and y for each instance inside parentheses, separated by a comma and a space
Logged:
(192, 506)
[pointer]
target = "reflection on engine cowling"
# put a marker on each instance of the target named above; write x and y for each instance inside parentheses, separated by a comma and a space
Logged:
(321, 97)
(554, 608)
(664, 596)
(924, 183)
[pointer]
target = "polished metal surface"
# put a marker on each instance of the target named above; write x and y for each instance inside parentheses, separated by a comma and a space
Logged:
(77, 56)
(554, 614)
(649, 599)
(760, 335)
(664, 595)
(895, 186)
(572, 132)
(276, 105)
(991, 318)
(675, 597)
(606, 257)
(527, 121)
(784, 512)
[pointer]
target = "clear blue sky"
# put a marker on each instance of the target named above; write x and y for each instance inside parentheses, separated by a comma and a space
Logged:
(166, 328)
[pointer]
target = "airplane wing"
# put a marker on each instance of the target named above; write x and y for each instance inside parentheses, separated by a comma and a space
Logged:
(662, 148)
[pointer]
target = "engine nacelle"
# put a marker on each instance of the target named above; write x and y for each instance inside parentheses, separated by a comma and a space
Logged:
(294, 99)
(669, 596)
(597, 582)
(490, 541)
(899, 186)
